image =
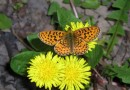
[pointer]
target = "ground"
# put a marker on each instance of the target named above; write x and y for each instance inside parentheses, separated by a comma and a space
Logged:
(32, 17)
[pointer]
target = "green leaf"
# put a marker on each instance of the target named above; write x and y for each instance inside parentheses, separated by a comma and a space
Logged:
(92, 4)
(37, 44)
(109, 72)
(106, 2)
(94, 56)
(122, 4)
(90, 20)
(18, 5)
(53, 8)
(5, 22)
(120, 30)
(122, 72)
(76, 2)
(20, 62)
(118, 15)
(65, 17)
(66, 1)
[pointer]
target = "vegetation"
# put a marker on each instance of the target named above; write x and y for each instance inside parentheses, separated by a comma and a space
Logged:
(60, 17)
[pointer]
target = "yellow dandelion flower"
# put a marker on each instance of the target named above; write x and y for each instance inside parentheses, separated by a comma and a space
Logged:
(76, 75)
(75, 26)
(46, 70)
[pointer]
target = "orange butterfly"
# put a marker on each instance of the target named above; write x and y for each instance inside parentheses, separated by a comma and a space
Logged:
(70, 42)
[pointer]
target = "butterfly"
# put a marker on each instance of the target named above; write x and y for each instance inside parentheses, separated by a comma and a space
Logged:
(70, 42)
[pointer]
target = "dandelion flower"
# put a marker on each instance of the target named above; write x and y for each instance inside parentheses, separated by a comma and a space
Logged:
(46, 70)
(75, 26)
(76, 74)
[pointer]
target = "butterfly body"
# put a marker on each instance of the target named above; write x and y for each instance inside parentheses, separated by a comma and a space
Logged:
(70, 38)
(70, 42)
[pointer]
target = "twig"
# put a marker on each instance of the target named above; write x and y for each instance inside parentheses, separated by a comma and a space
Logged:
(74, 9)
(14, 33)
(98, 73)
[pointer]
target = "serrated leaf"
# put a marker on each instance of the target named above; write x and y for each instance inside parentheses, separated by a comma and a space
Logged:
(37, 44)
(123, 73)
(20, 62)
(65, 17)
(121, 16)
(122, 4)
(108, 71)
(94, 56)
(120, 30)
(5, 22)
(53, 8)
(92, 4)
(118, 15)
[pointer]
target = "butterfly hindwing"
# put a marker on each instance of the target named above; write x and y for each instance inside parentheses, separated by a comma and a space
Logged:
(88, 33)
(51, 37)
(80, 46)
(63, 47)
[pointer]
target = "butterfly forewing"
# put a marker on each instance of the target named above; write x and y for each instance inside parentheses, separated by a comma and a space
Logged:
(88, 33)
(51, 37)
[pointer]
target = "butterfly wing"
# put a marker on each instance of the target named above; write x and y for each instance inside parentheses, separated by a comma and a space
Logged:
(63, 47)
(51, 37)
(88, 33)
(79, 46)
